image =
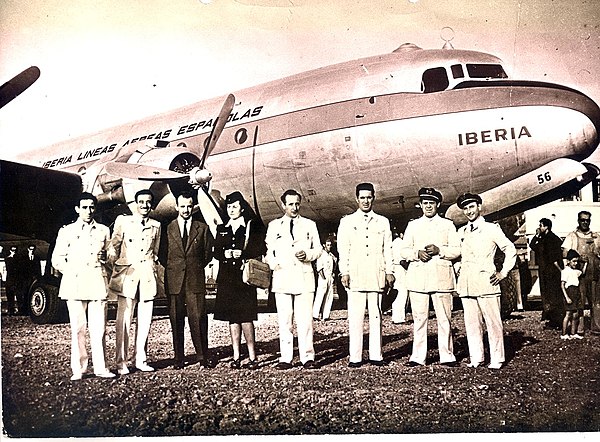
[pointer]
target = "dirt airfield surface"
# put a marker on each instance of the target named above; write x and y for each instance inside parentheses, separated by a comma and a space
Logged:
(547, 385)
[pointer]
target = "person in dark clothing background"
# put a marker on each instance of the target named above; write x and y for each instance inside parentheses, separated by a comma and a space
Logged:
(548, 254)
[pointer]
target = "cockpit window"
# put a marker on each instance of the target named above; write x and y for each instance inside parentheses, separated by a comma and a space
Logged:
(486, 71)
(435, 80)
(457, 71)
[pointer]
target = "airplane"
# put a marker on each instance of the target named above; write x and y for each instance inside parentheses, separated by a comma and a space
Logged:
(444, 118)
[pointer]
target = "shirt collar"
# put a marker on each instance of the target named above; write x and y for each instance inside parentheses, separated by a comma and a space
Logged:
(140, 219)
(476, 223)
(180, 221)
(236, 223)
(82, 225)
(589, 232)
(432, 219)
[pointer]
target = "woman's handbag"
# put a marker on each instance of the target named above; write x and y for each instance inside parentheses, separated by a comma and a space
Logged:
(256, 273)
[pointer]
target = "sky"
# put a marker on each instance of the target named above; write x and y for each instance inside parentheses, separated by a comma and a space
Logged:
(107, 62)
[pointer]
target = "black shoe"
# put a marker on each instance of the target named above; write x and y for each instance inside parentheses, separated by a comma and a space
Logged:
(207, 363)
(235, 364)
(310, 365)
(354, 364)
(252, 364)
(451, 364)
(413, 364)
(381, 363)
(178, 365)
(283, 366)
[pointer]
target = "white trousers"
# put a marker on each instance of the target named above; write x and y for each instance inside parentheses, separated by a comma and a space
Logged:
(442, 305)
(298, 308)
(96, 321)
(357, 301)
(323, 297)
(476, 311)
(125, 308)
(399, 304)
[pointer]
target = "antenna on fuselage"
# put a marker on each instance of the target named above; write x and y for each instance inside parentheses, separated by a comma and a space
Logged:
(447, 34)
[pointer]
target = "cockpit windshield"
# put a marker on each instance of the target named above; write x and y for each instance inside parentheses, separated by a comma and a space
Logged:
(486, 71)
(437, 79)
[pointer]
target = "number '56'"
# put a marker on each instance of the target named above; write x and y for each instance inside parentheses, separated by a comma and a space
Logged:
(542, 178)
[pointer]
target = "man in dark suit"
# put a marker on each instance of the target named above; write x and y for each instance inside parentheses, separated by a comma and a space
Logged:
(185, 251)
(549, 257)
(32, 270)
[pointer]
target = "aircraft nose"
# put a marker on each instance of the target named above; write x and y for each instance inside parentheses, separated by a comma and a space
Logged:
(580, 120)
(591, 110)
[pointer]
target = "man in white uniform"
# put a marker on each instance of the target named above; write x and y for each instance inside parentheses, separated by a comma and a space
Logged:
(292, 244)
(430, 244)
(400, 266)
(324, 296)
(134, 251)
(478, 282)
(80, 255)
(366, 266)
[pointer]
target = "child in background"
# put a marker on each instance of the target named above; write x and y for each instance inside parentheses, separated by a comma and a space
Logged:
(569, 277)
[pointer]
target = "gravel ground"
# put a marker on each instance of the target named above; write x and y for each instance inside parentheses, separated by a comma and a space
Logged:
(546, 385)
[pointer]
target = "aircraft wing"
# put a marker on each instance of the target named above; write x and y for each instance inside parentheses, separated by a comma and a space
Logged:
(36, 202)
(557, 178)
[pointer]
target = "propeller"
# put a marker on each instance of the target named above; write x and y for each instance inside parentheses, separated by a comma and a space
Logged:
(200, 177)
(217, 128)
(18, 84)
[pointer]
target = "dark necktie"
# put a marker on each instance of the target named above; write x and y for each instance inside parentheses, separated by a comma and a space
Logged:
(292, 227)
(185, 235)
(472, 227)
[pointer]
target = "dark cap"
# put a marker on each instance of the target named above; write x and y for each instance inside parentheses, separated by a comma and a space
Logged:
(429, 193)
(233, 197)
(467, 198)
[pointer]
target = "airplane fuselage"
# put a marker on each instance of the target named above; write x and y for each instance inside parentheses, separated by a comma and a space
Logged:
(447, 119)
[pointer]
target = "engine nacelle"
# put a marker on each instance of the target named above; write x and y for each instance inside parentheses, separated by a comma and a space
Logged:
(177, 159)
(550, 182)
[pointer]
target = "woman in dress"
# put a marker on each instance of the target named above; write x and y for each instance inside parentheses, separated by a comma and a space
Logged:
(241, 238)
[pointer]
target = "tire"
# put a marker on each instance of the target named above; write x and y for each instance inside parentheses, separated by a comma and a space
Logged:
(45, 307)
(509, 288)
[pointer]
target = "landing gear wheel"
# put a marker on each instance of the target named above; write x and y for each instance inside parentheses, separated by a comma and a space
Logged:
(45, 307)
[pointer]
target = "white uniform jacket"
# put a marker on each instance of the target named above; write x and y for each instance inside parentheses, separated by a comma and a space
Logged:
(326, 262)
(75, 255)
(290, 275)
(134, 251)
(437, 274)
(365, 249)
(478, 248)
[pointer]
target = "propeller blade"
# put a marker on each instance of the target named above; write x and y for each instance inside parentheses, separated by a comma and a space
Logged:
(210, 212)
(16, 85)
(141, 172)
(217, 129)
